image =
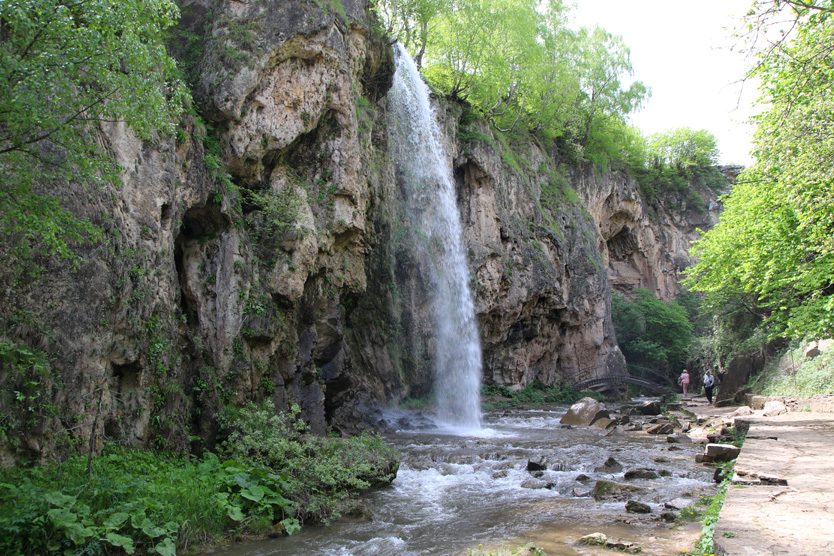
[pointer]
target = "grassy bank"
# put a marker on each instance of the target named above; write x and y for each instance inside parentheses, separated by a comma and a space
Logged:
(269, 478)
(794, 375)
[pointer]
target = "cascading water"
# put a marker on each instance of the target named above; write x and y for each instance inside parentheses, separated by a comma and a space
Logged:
(426, 178)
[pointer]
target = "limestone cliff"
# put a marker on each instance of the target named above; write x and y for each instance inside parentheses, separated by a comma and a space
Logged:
(645, 246)
(261, 252)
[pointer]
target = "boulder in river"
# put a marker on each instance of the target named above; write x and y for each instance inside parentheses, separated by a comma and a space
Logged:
(649, 408)
(641, 473)
(661, 428)
(538, 465)
(609, 466)
(610, 490)
(584, 413)
(533, 483)
(599, 539)
(635, 507)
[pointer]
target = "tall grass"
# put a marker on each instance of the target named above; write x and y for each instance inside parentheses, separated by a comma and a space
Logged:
(794, 375)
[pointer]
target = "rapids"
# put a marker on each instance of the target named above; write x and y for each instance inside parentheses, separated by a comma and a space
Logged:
(456, 491)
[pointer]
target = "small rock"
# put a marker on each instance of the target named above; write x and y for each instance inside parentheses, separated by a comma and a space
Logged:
(678, 504)
(609, 466)
(678, 439)
(674, 448)
(603, 423)
(668, 517)
(582, 478)
(774, 407)
(594, 539)
(649, 408)
(661, 428)
(635, 507)
(605, 490)
(641, 473)
(500, 474)
(533, 484)
(633, 427)
(582, 492)
(539, 465)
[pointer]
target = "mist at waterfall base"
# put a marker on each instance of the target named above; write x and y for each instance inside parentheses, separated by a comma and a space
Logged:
(425, 178)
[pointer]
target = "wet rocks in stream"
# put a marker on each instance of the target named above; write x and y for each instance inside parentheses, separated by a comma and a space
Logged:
(635, 507)
(585, 412)
(599, 539)
(611, 490)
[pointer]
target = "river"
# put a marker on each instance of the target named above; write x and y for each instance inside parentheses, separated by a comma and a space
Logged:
(457, 490)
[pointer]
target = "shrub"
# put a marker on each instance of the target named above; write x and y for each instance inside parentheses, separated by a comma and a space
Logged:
(319, 472)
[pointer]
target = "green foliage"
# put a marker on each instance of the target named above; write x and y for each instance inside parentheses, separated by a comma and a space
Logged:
(319, 472)
(704, 544)
(669, 164)
(773, 242)
(520, 66)
(532, 394)
(146, 502)
(651, 332)
(794, 375)
(131, 501)
(64, 67)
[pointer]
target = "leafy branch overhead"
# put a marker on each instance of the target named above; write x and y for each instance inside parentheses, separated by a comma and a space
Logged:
(775, 239)
(520, 64)
(65, 67)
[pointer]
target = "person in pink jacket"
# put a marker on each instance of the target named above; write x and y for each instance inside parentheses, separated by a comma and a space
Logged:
(683, 380)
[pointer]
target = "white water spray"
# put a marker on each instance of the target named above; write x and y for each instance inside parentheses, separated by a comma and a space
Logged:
(426, 178)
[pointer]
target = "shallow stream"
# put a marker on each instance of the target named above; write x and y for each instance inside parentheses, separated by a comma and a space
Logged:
(458, 490)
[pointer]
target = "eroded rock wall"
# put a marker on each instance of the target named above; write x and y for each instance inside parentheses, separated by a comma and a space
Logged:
(261, 253)
(642, 246)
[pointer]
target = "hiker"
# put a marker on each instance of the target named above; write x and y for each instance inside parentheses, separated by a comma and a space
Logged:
(683, 380)
(709, 382)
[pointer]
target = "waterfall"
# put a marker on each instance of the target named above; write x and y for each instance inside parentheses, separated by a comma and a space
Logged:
(425, 176)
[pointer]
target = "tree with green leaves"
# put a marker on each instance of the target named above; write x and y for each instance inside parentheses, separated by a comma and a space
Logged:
(775, 240)
(652, 332)
(65, 67)
(518, 63)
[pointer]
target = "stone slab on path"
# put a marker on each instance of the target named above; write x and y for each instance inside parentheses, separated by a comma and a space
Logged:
(782, 501)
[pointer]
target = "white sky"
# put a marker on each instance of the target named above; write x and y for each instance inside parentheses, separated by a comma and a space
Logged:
(681, 50)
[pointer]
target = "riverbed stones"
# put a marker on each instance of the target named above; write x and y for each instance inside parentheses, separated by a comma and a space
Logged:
(641, 473)
(661, 428)
(599, 539)
(533, 483)
(649, 408)
(609, 466)
(584, 413)
(538, 465)
(611, 490)
(635, 507)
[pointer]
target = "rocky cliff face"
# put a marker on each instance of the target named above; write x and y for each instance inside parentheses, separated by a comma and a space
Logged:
(642, 246)
(263, 253)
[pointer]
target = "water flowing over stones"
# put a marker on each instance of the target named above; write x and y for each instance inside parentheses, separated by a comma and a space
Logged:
(424, 175)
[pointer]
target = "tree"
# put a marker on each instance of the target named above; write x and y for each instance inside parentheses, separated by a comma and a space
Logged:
(683, 148)
(66, 66)
(652, 332)
(775, 239)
